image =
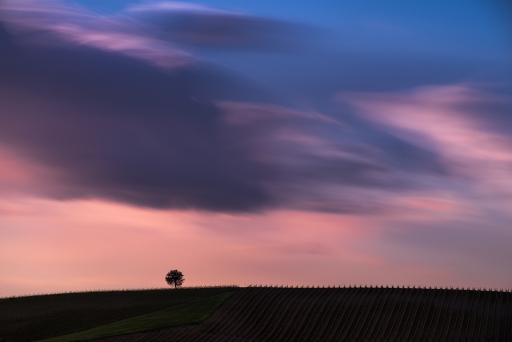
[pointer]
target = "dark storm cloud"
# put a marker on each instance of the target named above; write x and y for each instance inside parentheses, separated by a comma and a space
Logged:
(200, 26)
(117, 128)
(114, 120)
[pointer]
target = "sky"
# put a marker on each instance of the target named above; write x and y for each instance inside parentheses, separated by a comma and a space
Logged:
(257, 142)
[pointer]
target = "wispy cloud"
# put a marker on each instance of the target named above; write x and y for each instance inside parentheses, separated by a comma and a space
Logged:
(51, 22)
(460, 122)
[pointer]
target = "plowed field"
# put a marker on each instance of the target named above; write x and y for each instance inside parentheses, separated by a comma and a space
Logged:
(350, 314)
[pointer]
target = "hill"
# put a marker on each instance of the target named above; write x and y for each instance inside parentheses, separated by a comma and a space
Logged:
(33, 318)
(350, 314)
(272, 314)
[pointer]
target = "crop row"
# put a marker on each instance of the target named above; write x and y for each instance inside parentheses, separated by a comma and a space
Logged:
(380, 287)
(355, 314)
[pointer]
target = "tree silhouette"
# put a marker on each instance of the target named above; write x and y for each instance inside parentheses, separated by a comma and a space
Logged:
(175, 278)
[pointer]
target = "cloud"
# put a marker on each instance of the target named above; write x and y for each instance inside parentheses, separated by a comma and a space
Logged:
(50, 22)
(100, 121)
(463, 123)
(111, 126)
(158, 33)
(325, 164)
(200, 26)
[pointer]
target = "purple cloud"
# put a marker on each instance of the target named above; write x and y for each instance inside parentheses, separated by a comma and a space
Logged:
(200, 26)
(112, 113)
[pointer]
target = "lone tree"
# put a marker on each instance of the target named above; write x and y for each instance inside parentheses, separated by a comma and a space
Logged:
(175, 278)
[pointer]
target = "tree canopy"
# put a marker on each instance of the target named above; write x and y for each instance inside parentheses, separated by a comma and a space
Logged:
(175, 278)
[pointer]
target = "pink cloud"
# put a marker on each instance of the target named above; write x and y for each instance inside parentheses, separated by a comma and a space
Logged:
(440, 118)
(72, 24)
(177, 6)
(436, 113)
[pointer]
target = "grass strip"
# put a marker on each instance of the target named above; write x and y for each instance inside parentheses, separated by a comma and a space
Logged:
(183, 314)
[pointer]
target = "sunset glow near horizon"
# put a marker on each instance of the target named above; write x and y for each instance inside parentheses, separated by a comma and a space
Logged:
(255, 142)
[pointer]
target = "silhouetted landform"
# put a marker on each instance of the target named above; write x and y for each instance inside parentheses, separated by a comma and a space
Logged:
(350, 314)
(33, 318)
(189, 313)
